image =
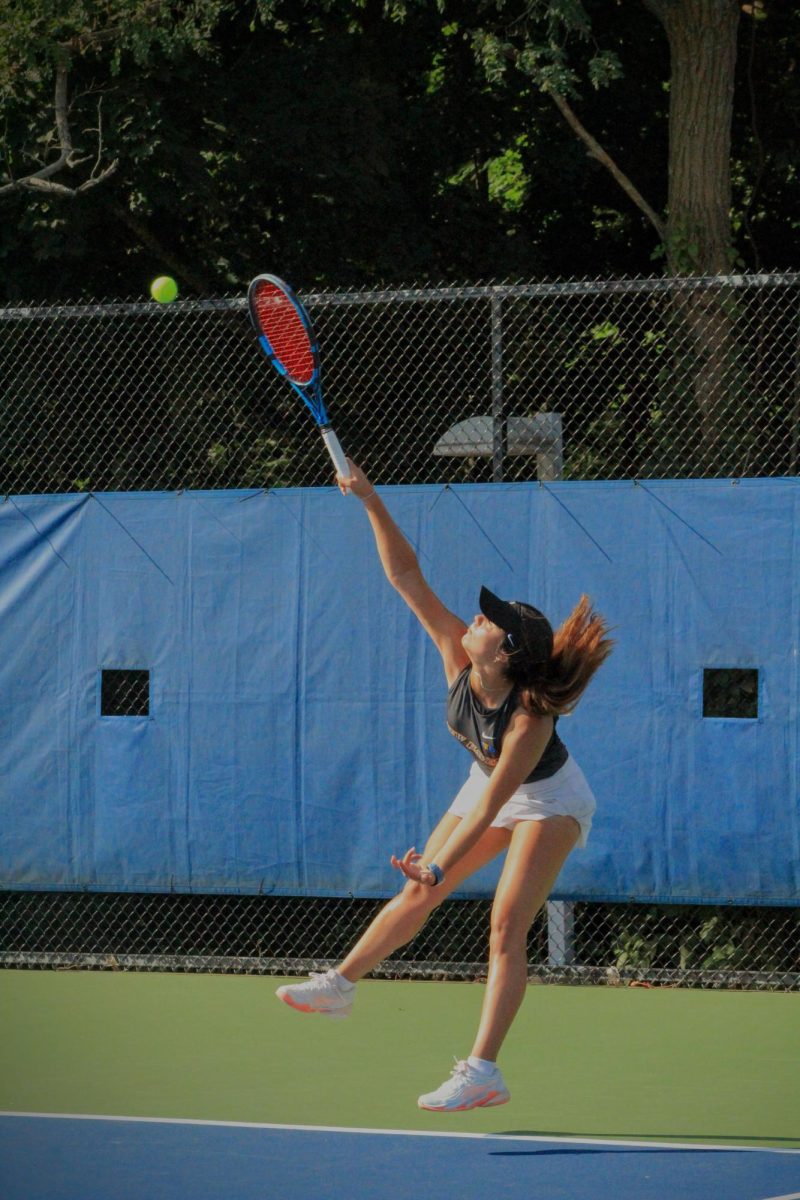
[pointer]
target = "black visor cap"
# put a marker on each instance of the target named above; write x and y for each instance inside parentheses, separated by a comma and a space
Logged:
(529, 630)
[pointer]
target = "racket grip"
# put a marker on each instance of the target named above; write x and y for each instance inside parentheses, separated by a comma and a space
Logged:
(335, 450)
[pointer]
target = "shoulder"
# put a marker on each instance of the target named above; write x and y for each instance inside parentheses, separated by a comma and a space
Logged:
(524, 725)
(524, 742)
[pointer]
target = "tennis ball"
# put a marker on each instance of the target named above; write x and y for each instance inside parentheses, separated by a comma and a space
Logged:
(164, 289)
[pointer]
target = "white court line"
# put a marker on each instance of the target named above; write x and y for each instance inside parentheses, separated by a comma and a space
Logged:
(501, 1137)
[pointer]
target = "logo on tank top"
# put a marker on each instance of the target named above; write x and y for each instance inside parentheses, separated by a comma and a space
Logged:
(488, 747)
(487, 756)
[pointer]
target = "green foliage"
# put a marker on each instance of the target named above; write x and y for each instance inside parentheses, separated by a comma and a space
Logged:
(540, 45)
(35, 34)
(353, 141)
(691, 938)
(508, 179)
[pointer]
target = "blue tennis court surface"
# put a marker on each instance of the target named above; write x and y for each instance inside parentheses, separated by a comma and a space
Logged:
(109, 1158)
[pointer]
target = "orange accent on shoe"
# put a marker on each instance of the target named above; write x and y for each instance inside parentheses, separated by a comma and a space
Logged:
(307, 1008)
(488, 1101)
(298, 1007)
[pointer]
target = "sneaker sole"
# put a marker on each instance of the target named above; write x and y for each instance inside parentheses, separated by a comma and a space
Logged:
(490, 1101)
(335, 1015)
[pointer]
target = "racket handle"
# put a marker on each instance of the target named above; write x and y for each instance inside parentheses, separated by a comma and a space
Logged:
(335, 450)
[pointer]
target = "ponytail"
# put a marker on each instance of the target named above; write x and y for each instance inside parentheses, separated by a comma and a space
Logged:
(580, 647)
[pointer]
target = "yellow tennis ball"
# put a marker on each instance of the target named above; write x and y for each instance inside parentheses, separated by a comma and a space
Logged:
(164, 289)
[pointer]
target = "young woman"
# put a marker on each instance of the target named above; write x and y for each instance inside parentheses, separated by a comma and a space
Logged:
(509, 678)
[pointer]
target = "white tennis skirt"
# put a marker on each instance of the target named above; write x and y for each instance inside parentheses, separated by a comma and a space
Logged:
(565, 794)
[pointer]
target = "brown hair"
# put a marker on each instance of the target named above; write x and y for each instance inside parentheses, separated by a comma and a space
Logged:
(580, 647)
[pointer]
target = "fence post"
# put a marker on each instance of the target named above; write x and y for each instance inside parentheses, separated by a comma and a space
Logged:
(560, 933)
(498, 415)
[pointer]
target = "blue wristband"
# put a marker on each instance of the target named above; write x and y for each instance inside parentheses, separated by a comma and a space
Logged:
(436, 872)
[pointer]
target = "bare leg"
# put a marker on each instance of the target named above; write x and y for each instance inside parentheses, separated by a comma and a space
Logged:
(402, 918)
(537, 853)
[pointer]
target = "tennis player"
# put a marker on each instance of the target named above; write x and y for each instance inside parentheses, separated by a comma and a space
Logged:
(509, 678)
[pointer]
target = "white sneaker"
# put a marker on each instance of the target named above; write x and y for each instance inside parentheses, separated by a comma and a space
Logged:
(466, 1088)
(322, 993)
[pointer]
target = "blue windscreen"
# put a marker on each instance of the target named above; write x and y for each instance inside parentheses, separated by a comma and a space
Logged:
(294, 734)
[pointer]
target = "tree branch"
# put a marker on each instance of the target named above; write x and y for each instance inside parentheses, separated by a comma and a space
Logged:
(596, 151)
(40, 181)
(34, 183)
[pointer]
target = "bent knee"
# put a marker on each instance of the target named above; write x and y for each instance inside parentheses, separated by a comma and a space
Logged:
(418, 897)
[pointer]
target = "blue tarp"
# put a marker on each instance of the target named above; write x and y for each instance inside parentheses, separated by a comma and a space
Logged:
(296, 735)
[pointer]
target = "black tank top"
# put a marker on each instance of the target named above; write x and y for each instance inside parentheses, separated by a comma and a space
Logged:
(481, 729)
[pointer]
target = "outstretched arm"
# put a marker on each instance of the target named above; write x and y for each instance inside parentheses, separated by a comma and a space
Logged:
(524, 743)
(402, 569)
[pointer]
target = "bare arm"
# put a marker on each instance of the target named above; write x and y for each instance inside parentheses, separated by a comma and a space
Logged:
(524, 743)
(402, 569)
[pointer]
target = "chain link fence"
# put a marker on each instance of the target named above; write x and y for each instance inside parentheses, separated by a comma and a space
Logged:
(640, 378)
(645, 378)
(610, 944)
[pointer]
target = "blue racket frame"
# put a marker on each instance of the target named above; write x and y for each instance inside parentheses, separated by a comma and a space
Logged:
(310, 392)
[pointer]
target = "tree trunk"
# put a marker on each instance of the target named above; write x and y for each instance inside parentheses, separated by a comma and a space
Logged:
(703, 40)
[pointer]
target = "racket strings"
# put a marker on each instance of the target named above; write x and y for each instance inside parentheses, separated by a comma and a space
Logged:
(282, 326)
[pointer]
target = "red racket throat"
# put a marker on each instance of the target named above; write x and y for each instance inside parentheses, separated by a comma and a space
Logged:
(282, 326)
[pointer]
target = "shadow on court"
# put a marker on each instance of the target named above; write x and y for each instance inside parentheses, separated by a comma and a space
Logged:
(598, 1150)
(693, 1139)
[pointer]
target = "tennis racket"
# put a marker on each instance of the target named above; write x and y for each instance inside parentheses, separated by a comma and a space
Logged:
(287, 337)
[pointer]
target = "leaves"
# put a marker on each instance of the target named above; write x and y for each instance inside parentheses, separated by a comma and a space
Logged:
(46, 42)
(355, 141)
